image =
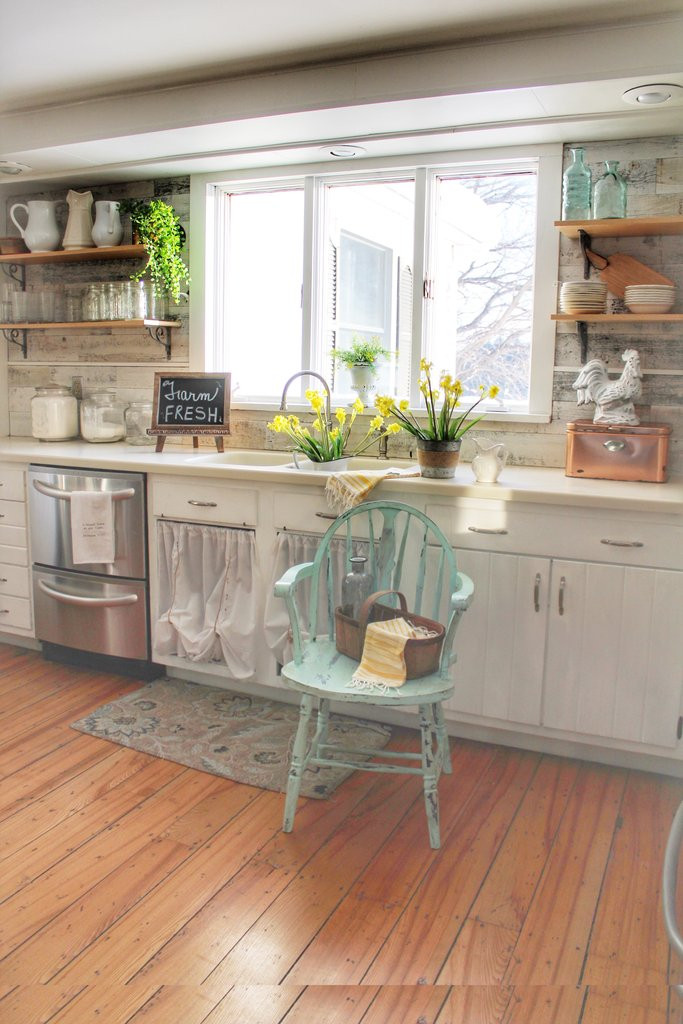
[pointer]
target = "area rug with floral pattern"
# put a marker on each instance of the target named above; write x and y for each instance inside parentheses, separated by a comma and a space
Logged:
(247, 739)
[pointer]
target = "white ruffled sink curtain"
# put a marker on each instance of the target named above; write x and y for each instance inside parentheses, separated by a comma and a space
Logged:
(208, 595)
(293, 549)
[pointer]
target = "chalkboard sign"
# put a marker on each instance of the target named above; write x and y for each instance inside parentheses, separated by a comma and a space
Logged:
(191, 404)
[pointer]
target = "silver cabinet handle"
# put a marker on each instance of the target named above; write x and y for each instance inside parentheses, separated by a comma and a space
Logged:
(202, 504)
(57, 492)
(614, 446)
(560, 598)
(87, 602)
(3, 579)
(482, 529)
(326, 515)
(537, 592)
(623, 543)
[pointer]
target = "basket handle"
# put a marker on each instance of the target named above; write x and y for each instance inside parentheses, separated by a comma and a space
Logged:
(366, 607)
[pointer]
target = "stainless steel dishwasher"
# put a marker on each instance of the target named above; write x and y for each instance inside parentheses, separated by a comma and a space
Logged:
(98, 608)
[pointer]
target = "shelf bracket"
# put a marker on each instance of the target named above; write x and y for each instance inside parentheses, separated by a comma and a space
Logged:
(162, 335)
(582, 331)
(17, 272)
(14, 335)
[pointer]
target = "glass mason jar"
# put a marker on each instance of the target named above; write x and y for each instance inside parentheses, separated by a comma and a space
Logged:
(102, 417)
(357, 586)
(54, 414)
(92, 303)
(138, 418)
(576, 188)
(609, 197)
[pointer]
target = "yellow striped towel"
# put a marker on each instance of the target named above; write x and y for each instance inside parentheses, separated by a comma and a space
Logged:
(346, 490)
(383, 662)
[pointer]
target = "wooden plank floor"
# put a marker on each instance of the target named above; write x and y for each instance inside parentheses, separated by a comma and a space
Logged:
(137, 891)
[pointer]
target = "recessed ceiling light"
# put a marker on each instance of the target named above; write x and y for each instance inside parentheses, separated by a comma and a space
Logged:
(11, 167)
(654, 94)
(343, 151)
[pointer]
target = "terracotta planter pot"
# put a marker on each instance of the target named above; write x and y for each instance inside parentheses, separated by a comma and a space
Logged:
(438, 459)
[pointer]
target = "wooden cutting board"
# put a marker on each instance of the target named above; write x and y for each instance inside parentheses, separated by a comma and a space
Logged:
(620, 270)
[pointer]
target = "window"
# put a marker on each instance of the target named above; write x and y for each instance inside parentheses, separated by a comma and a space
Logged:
(441, 262)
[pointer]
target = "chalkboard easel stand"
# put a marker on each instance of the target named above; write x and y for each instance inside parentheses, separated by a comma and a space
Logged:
(161, 439)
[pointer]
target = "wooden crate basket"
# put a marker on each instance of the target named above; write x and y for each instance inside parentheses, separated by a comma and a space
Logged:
(422, 654)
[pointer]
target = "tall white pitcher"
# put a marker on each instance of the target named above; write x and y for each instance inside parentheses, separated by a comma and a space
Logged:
(41, 232)
(107, 229)
(78, 234)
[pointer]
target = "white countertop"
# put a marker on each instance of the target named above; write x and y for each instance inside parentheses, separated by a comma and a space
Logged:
(516, 483)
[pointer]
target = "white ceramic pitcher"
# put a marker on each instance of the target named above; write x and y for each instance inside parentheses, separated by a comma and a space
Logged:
(107, 229)
(78, 234)
(41, 233)
(488, 462)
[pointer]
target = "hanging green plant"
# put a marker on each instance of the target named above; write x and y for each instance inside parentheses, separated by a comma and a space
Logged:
(158, 228)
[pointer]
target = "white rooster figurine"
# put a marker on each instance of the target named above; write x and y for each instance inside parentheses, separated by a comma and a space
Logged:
(613, 398)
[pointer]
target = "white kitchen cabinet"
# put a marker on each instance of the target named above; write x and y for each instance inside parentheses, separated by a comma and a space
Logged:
(613, 665)
(583, 648)
(500, 643)
(15, 603)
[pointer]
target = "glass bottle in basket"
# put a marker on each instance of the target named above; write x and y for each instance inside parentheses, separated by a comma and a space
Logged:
(357, 586)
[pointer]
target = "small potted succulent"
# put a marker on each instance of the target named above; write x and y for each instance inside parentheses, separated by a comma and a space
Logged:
(157, 226)
(361, 360)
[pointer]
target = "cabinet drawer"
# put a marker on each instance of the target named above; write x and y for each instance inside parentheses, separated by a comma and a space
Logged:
(14, 580)
(189, 498)
(300, 511)
(12, 484)
(565, 532)
(14, 612)
(15, 536)
(12, 513)
(10, 555)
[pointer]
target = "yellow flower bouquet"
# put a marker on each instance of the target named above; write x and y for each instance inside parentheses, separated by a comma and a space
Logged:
(443, 424)
(322, 442)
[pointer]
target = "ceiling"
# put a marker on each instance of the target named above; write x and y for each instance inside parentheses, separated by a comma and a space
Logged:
(174, 88)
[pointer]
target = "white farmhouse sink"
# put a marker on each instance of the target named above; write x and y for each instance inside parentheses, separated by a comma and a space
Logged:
(283, 460)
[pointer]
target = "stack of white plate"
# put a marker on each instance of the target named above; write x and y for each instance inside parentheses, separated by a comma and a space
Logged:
(583, 297)
(650, 298)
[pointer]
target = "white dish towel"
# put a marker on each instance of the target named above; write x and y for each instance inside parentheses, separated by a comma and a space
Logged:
(92, 527)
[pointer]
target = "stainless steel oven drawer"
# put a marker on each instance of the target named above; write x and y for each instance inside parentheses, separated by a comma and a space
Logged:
(49, 493)
(106, 616)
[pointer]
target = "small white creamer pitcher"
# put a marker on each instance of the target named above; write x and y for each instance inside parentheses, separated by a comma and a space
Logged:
(41, 233)
(488, 462)
(107, 229)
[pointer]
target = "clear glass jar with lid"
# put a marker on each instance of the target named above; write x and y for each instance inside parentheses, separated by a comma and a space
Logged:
(54, 414)
(102, 417)
(138, 419)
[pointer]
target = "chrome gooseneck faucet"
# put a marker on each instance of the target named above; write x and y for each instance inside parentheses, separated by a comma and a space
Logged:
(309, 373)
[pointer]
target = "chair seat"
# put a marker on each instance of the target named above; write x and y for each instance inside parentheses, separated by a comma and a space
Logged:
(324, 672)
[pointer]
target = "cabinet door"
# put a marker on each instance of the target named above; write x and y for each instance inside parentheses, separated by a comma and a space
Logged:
(501, 638)
(614, 665)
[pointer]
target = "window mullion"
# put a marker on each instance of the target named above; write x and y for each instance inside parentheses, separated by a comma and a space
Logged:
(421, 242)
(310, 289)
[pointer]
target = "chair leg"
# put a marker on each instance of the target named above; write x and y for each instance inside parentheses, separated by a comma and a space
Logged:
(296, 766)
(429, 776)
(323, 721)
(442, 739)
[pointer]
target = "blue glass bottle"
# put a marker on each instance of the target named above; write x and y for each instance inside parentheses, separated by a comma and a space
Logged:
(576, 188)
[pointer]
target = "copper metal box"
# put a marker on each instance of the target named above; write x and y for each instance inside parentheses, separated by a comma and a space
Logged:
(605, 451)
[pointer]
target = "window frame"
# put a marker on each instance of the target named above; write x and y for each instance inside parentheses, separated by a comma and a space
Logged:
(207, 211)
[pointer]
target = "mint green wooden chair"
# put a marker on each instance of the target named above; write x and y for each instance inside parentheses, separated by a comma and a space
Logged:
(406, 551)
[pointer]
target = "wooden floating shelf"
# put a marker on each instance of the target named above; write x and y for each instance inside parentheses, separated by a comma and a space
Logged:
(624, 227)
(111, 324)
(108, 252)
(603, 318)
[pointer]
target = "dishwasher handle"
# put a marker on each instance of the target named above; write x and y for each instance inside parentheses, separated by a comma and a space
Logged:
(57, 492)
(87, 602)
